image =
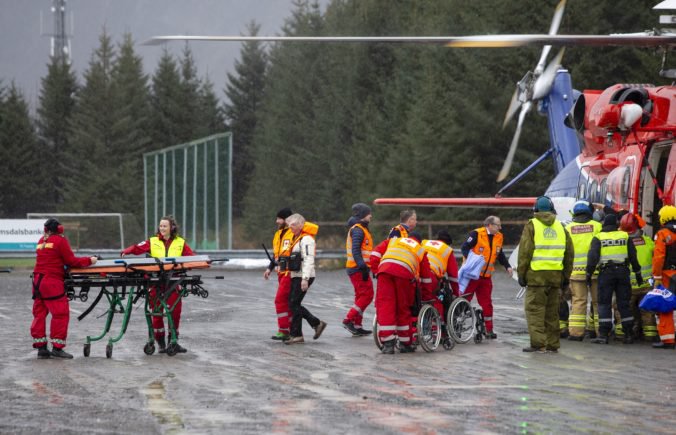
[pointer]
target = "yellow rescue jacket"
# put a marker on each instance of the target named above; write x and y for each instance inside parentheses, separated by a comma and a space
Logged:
(158, 248)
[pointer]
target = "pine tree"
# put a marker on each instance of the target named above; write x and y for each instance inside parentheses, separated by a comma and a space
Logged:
(188, 120)
(55, 111)
(165, 102)
(130, 131)
(289, 159)
(245, 91)
(211, 118)
(88, 169)
(24, 186)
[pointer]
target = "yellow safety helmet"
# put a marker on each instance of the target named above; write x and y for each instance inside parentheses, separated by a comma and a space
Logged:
(667, 214)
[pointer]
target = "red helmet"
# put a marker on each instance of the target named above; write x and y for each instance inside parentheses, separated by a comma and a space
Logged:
(629, 223)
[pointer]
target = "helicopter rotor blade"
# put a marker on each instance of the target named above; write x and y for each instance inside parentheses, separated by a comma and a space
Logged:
(513, 107)
(525, 108)
(543, 84)
(553, 30)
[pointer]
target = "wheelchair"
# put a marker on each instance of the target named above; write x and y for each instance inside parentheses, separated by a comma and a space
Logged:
(426, 325)
(463, 321)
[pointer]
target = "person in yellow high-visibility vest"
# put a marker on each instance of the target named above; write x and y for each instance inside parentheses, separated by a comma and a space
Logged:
(582, 230)
(644, 321)
(613, 253)
(545, 261)
(166, 243)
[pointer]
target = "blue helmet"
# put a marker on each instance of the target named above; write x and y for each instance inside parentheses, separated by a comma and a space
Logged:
(583, 207)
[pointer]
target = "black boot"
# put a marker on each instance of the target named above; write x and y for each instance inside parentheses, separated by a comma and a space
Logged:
(60, 353)
(388, 347)
(161, 345)
(601, 340)
(44, 353)
(662, 345)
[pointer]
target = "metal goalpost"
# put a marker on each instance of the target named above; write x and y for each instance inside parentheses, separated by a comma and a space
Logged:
(192, 182)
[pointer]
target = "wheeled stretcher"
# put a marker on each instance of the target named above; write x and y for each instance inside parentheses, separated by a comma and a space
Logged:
(132, 279)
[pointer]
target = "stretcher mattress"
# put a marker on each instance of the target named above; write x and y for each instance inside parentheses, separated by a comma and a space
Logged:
(122, 265)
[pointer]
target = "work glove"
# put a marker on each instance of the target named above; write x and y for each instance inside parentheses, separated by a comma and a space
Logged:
(639, 278)
(364, 272)
(588, 280)
(523, 282)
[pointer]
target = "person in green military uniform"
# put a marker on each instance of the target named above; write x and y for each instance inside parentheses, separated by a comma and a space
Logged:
(545, 262)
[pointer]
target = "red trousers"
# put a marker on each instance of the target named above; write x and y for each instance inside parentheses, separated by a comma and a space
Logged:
(483, 287)
(58, 308)
(156, 306)
(393, 307)
(282, 302)
(363, 296)
(665, 321)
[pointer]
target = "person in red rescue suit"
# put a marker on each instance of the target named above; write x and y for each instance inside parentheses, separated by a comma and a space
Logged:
(443, 265)
(281, 244)
(645, 326)
(664, 269)
(166, 243)
(400, 263)
(358, 246)
(301, 264)
(53, 252)
(408, 220)
(486, 241)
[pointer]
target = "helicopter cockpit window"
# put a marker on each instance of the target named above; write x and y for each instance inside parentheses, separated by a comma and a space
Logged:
(624, 188)
(603, 191)
(594, 192)
(582, 190)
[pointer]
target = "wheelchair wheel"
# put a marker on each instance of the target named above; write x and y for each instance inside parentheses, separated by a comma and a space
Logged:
(429, 328)
(461, 321)
(376, 339)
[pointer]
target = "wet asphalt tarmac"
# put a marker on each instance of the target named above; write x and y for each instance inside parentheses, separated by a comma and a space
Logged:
(234, 379)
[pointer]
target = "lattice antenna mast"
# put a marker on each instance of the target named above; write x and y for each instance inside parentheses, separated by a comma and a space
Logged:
(60, 41)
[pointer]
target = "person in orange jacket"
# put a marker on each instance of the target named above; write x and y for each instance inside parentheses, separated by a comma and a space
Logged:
(281, 244)
(486, 241)
(401, 263)
(664, 269)
(358, 246)
(408, 219)
(49, 294)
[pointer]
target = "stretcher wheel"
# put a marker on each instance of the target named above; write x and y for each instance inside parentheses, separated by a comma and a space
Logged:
(87, 348)
(149, 348)
(429, 328)
(109, 350)
(461, 321)
(172, 349)
(478, 337)
(376, 339)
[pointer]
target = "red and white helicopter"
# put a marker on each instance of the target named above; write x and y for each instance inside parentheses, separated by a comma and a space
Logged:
(611, 146)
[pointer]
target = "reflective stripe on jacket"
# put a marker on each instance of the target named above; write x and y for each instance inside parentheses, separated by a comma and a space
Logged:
(404, 252)
(366, 247)
(613, 247)
(582, 235)
(438, 253)
(490, 253)
(644, 254)
(158, 248)
(550, 246)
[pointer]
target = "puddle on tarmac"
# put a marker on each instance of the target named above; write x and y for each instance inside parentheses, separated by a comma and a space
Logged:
(162, 409)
